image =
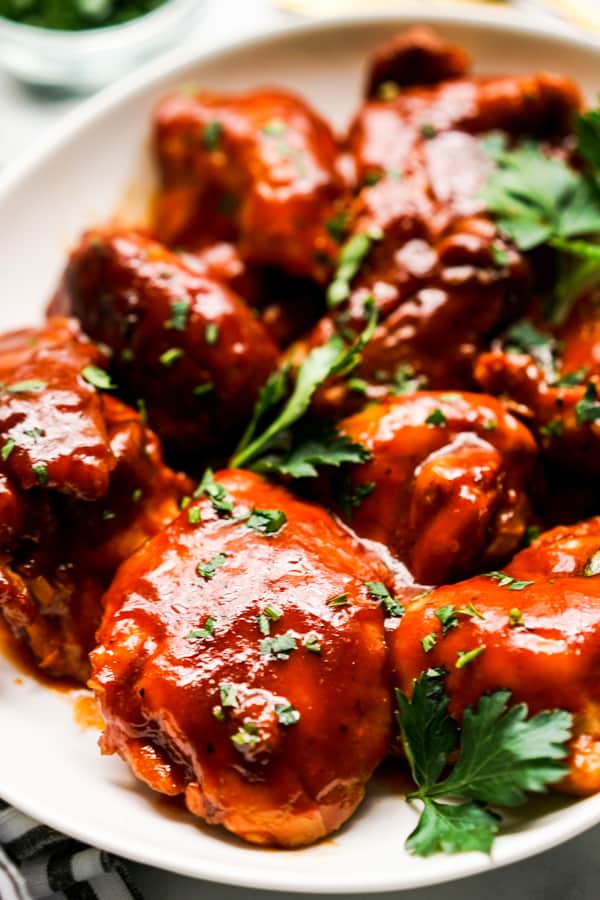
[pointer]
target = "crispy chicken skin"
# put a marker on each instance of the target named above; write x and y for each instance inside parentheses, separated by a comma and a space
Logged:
(284, 784)
(264, 157)
(449, 477)
(82, 487)
(541, 641)
(181, 341)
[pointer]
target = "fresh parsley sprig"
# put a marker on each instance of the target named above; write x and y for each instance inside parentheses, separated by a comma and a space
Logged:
(502, 756)
(332, 358)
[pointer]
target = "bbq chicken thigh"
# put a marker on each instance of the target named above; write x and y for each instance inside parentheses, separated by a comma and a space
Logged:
(242, 663)
(442, 276)
(446, 486)
(259, 168)
(82, 485)
(533, 629)
(183, 344)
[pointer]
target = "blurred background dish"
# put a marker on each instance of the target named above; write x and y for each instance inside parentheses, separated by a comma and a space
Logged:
(87, 59)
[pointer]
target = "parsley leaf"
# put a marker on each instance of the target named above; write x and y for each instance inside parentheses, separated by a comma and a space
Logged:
(266, 521)
(378, 591)
(286, 714)
(332, 358)
(180, 311)
(508, 581)
(353, 253)
(588, 408)
(452, 829)
(502, 756)
(222, 501)
(208, 569)
(592, 566)
(204, 633)
(324, 446)
(24, 387)
(523, 337)
(280, 646)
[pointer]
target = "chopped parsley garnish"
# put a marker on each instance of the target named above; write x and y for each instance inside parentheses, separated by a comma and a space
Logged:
(7, 449)
(227, 694)
(218, 713)
(515, 617)
(372, 177)
(202, 389)
(280, 646)
(388, 90)
(41, 473)
(339, 600)
(211, 333)
(170, 356)
(588, 408)
(311, 642)
(501, 756)
(180, 311)
(286, 714)
(25, 387)
(136, 495)
(248, 735)
(428, 131)
(406, 381)
(351, 495)
(337, 226)
(508, 581)
(194, 515)
(572, 379)
(352, 256)
(490, 425)
(429, 641)
(532, 533)
(207, 570)
(436, 417)
(499, 256)
(98, 378)
(266, 521)
(211, 135)
(108, 514)
(447, 617)
(592, 566)
(204, 633)
(268, 615)
(142, 410)
(467, 656)
(333, 358)
(378, 591)
(221, 500)
(553, 428)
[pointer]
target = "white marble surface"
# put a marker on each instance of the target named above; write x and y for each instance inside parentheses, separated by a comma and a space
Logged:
(570, 872)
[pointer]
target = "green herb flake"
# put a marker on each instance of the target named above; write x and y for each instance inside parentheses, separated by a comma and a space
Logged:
(248, 735)
(227, 694)
(588, 408)
(436, 418)
(211, 333)
(108, 514)
(470, 611)
(286, 714)
(221, 500)
(207, 570)
(592, 566)
(136, 495)
(554, 428)
(508, 581)
(274, 128)
(31, 385)
(339, 600)
(98, 378)
(388, 90)
(204, 633)
(428, 131)
(312, 642)
(337, 227)
(142, 410)
(266, 521)
(170, 356)
(447, 617)
(194, 515)
(211, 135)
(201, 390)
(572, 379)
(490, 425)
(280, 646)
(429, 641)
(372, 177)
(467, 656)
(7, 449)
(218, 713)
(499, 256)
(352, 255)
(378, 591)
(41, 473)
(180, 311)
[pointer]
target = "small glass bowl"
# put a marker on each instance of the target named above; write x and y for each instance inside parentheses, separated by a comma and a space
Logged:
(83, 61)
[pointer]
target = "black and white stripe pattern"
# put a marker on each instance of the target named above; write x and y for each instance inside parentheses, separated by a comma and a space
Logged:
(37, 863)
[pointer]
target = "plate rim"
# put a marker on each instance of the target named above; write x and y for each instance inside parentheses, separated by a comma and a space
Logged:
(581, 814)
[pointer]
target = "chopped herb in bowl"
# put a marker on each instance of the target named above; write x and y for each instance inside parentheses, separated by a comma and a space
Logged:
(74, 15)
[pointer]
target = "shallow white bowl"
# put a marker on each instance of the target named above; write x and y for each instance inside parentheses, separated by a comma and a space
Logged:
(48, 766)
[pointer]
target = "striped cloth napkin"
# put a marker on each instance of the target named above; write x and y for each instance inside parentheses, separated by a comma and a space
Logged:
(37, 863)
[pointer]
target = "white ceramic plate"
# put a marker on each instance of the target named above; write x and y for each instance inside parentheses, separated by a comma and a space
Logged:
(51, 768)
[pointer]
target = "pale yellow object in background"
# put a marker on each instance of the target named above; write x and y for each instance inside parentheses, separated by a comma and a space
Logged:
(585, 13)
